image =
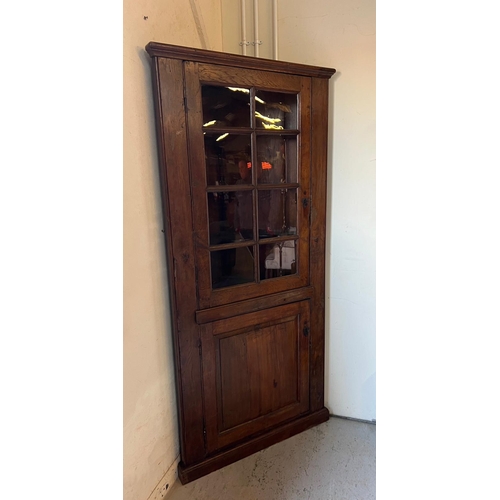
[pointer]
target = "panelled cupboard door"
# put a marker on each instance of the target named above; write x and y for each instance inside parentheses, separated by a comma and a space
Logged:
(256, 372)
(242, 154)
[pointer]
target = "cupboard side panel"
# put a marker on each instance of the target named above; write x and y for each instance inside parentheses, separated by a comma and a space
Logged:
(319, 140)
(176, 196)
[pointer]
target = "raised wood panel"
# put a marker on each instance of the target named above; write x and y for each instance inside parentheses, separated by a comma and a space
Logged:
(256, 372)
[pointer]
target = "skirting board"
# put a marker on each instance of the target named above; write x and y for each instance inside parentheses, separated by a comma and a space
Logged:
(166, 482)
(215, 462)
(371, 422)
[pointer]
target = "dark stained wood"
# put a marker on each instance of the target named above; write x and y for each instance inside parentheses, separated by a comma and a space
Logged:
(259, 371)
(304, 192)
(265, 80)
(261, 362)
(284, 185)
(319, 143)
(188, 473)
(230, 130)
(225, 246)
(211, 393)
(249, 363)
(176, 196)
(255, 197)
(198, 179)
(286, 132)
(246, 306)
(156, 49)
(229, 187)
(249, 357)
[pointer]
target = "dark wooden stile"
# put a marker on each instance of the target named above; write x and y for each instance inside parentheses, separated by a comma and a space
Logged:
(177, 209)
(318, 236)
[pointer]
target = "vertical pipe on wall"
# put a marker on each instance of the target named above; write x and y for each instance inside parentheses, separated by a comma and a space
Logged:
(243, 42)
(256, 26)
(275, 29)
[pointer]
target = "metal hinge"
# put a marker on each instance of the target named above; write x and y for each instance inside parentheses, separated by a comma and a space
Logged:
(199, 347)
(306, 331)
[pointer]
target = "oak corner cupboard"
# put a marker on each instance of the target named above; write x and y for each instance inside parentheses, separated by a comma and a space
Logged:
(242, 147)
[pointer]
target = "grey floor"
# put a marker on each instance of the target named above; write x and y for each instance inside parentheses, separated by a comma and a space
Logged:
(333, 461)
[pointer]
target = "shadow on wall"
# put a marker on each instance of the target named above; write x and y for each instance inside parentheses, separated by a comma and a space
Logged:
(368, 391)
(147, 65)
(329, 221)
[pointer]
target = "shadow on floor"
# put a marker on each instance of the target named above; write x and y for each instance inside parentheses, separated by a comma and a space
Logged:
(333, 461)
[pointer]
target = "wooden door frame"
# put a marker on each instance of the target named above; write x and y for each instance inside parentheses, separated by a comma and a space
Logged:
(195, 75)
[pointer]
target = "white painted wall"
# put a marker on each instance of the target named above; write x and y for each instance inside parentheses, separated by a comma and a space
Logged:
(231, 31)
(151, 445)
(341, 35)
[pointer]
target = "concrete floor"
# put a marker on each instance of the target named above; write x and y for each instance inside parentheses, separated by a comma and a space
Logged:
(333, 461)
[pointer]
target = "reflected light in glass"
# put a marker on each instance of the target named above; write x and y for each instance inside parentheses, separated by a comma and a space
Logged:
(238, 89)
(271, 126)
(246, 91)
(223, 136)
(266, 118)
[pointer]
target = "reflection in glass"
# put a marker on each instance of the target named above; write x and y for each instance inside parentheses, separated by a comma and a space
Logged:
(279, 259)
(232, 267)
(277, 212)
(275, 110)
(230, 216)
(277, 157)
(225, 155)
(225, 106)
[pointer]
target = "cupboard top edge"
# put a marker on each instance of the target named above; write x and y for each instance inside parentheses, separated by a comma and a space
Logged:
(156, 49)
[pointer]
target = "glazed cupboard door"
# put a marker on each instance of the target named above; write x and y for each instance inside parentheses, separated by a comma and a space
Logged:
(242, 155)
(249, 135)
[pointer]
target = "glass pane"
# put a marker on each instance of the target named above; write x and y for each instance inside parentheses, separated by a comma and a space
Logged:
(232, 267)
(279, 259)
(225, 106)
(227, 157)
(230, 217)
(277, 157)
(277, 212)
(275, 111)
